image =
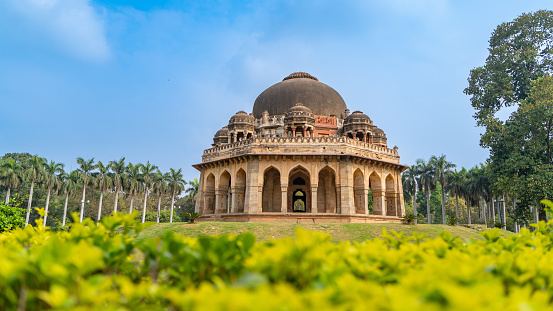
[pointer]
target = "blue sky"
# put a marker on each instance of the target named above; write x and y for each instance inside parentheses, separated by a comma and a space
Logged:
(154, 80)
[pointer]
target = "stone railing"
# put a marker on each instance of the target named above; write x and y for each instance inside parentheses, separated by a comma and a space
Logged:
(301, 140)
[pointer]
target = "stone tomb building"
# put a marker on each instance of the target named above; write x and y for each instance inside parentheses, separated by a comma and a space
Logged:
(300, 156)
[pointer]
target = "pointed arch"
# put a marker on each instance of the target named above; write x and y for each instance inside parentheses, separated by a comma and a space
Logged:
(327, 198)
(239, 191)
(271, 197)
(209, 194)
(360, 194)
(377, 193)
(224, 193)
(299, 182)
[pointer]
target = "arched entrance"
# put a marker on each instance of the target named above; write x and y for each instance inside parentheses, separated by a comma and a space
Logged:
(376, 189)
(209, 195)
(360, 196)
(299, 191)
(326, 194)
(239, 191)
(224, 194)
(271, 200)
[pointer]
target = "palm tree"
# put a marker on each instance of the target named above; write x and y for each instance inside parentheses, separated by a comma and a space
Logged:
(70, 185)
(33, 173)
(52, 172)
(10, 175)
(441, 167)
(147, 176)
(427, 182)
(132, 181)
(85, 176)
(159, 188)
(410, 185)
(456, 180)
(118, 177)
(176, 185)
(103, 181)
(479, 186)
(192, 191)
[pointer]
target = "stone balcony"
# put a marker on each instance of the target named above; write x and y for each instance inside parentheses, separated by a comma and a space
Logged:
(301, 146)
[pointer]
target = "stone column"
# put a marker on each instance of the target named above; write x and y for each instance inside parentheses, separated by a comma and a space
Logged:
(293, 131)
(303, 131)
(251, 204)
(370, 138)
(379, 204)
(346, 186)
(314, 198)
(284, 200)
(365, 203)
(365, 137)
(234, 199)
(218, 201)
(199, 207)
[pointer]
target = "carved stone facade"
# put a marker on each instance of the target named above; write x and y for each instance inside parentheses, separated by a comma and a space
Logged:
(299, 166)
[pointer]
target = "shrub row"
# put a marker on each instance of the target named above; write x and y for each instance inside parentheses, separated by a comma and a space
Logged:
(100, 267)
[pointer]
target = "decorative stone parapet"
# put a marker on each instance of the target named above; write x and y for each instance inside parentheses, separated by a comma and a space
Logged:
(301, 145)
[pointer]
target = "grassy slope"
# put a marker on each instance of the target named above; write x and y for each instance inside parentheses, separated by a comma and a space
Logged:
(339, 232)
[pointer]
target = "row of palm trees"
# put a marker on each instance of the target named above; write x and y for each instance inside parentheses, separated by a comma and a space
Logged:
(116, 177)
(472, 185)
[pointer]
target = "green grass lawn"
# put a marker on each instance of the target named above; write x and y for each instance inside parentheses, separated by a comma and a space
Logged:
(338, 231)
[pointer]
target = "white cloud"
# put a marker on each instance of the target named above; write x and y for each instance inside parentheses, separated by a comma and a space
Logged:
(74, 25)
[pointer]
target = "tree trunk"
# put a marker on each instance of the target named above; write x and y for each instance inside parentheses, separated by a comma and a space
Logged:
(100, 206)
(29, 203)
(456, 210)
(484, 206)
(415, 205)
(132, 197)
(65, 208)
(144, 206)
(46, 207)
(428, 205)
(82, 202)
(8, 195)
(443, 207)
(468, 212)
(158, 207)
(504, 213)
(116, 198)
(542, 213)
(493, 210)
(172, 203)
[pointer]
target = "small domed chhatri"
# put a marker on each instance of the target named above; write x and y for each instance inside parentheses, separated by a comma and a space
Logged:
(300, 156)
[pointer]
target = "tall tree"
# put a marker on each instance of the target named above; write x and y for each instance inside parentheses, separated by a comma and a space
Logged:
(132, 182)
(160, 188)
(192, 191)
(52, 172)
(85, 174)
(10, 176)
(427, 182)
(70, 186)
(410, 185)
(103, 181)
(455, 182)
(176, 185)
(34, 173)
(441, 168)
(520, 53)
(118, 169)
(147, 175)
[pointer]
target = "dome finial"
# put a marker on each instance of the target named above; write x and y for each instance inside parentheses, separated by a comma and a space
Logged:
(300, 74)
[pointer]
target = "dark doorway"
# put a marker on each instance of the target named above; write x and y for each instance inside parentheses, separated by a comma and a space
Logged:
(299, 201)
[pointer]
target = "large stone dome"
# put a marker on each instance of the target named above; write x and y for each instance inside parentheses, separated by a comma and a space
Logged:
(300, 87)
